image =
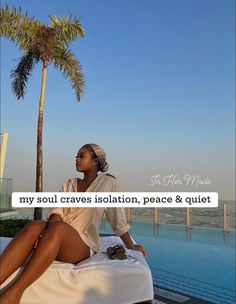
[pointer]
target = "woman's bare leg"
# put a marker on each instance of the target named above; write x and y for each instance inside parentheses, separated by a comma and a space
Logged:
(59, 242)
(19, 248)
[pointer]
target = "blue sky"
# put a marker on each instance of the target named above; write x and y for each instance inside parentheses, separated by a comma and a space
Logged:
(159, 95)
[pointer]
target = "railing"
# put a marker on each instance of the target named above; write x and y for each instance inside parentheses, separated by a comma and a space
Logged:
(221, 217)
(5, 193)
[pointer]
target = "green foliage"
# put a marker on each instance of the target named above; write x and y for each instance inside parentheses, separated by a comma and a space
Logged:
(19, 28)
(42, 42)
(67, 29)
(10, 227)
(65, 61)
(21, 74)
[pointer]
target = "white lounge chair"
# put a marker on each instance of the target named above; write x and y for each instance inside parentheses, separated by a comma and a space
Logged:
(96, 280)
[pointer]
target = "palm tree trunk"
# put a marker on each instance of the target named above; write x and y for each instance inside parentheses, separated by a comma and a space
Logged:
(39, 166)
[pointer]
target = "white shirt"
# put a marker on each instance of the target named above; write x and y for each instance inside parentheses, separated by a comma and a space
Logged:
(86, 220)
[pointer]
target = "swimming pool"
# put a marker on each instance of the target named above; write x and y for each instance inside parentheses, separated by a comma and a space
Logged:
(199, 262)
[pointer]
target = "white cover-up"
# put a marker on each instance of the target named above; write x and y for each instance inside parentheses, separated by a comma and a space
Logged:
(86, 220)
(96, 280)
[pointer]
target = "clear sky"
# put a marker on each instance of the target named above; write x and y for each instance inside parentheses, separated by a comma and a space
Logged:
(159, 95)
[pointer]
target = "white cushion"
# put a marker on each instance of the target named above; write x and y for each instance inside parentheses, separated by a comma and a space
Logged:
(96, 280)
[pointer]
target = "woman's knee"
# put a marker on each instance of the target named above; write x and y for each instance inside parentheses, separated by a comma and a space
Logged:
(58, 227)
(35, 227)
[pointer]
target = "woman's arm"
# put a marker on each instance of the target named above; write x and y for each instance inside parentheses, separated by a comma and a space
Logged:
(56, 214)
(54, 218)
(116, 217)
(130, 244)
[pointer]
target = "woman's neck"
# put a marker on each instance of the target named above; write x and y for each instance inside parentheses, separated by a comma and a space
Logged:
(89, 176)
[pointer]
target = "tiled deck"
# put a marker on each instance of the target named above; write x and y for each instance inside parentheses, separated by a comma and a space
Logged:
(166, 296)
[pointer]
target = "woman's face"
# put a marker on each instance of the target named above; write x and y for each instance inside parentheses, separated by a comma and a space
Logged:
(84, 161)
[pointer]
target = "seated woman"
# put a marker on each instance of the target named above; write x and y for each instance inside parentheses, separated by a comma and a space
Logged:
(70, 235)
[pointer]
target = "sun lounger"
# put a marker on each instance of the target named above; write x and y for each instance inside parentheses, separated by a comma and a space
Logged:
(96, 280)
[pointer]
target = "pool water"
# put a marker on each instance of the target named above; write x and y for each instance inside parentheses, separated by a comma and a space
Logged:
(199, 261)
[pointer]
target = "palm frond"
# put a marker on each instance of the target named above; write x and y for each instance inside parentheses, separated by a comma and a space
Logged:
(19, 28)
(21, 74)
(10, 19)
(65, 61)
(26, 36)
(67, 29)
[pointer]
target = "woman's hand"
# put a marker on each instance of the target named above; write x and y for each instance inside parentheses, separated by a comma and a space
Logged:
(138, 248)
(129, 244)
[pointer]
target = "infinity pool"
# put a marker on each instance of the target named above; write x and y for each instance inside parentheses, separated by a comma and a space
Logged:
(198, 262)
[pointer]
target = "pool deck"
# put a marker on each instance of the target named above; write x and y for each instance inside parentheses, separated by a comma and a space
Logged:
(167, 296)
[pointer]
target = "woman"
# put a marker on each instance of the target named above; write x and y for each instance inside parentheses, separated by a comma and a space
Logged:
(70, 235)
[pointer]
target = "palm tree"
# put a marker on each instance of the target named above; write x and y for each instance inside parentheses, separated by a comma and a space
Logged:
(45, 44)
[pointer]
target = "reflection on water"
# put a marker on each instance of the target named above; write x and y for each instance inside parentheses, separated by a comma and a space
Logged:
(213, 236)
(197, 261)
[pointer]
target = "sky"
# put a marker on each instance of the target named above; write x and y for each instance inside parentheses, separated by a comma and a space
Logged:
(159, 96)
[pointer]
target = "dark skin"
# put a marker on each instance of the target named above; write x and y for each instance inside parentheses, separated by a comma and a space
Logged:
(54, 239)
(85, 163)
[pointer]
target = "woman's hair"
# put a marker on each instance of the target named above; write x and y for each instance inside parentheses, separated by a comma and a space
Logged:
(97, 152)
